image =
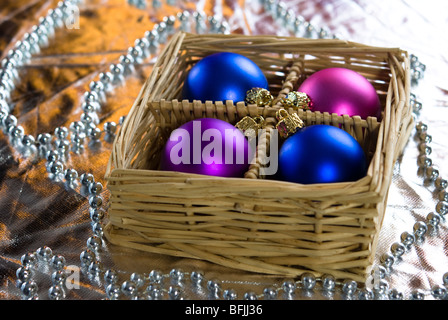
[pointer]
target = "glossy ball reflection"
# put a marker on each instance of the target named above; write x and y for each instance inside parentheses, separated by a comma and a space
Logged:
(223, 76)
(342, 91)
(321, 154)
(207, 146)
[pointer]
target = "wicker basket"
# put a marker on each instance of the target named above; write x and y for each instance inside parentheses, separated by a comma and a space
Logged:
(256, 223)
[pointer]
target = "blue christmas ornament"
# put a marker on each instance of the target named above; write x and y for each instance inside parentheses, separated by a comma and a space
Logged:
(223, 76)
(321, 154)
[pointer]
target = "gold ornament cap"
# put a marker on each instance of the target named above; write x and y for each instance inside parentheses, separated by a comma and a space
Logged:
(259, 96)
(248, 123)
(296, 99)
(288, 124)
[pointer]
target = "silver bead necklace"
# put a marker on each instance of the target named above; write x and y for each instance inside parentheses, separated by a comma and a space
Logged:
(54, 150)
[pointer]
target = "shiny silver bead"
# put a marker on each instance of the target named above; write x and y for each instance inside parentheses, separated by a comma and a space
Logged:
(61, 133)
(441, 183)
(96, 215)
(97, 229)
(55, 167)
(328, 283)
(29, 260)
(433, 219)
(106, 78)
(397, 249)
(110, 276)
(425, 137)
(308, 281)
(87, 257)
(421, 127)
(129, 288)
(62, 146)
(230, 294)
(176, 275)
(136, 53)
(432, 173)
(29, 288)
(155, 276)
(349, 287)
(44, 139)
(407, 239)
(439, 292)
(86, 179)
(95, 268)
(175, 293)
(28, 140)
(94, 133)
(381, 288)
(143, 44)
(117, 70)
(77, 127)
(95, 202)
(154, 292)
(127, 61)
(394, 294)
(387, 260)
(442, 208)
(138, 279)
(213, 286)
(250, 296)
(70, 175)
(270, 293)
(443, 196)
(366, 294)
(24, 274)
(420, 228)
(445, 279)
(91, 97)
(57, 262)
(94, 243)
(417, 294)
(121, 120)
(58, 277)
(90, 107)
(110, 127)
(17, 132)
(113, 291)
(95, 188)
(44, 254)
(161, 31)
(289, 287)
(424, 149)
(9, 121)
(197, 277)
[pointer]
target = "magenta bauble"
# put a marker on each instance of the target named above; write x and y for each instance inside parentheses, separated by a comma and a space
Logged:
(207, 146)
(342, 91)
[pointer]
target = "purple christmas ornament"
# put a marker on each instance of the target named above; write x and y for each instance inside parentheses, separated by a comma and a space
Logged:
(207, 146)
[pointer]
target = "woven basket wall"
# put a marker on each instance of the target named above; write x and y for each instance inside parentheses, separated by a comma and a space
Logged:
(256, 223)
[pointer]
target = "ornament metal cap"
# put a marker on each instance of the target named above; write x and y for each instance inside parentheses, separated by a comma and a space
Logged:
(296, 99)
(288, 124)
(249, 123)
(259, 96)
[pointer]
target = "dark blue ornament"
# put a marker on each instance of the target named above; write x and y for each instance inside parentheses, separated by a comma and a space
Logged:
(321, 154)
(223, 76)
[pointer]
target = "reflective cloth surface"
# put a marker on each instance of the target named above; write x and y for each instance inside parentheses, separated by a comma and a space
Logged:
(37, 211)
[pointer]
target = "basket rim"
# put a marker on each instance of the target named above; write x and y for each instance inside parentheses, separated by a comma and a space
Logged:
(390, 128)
